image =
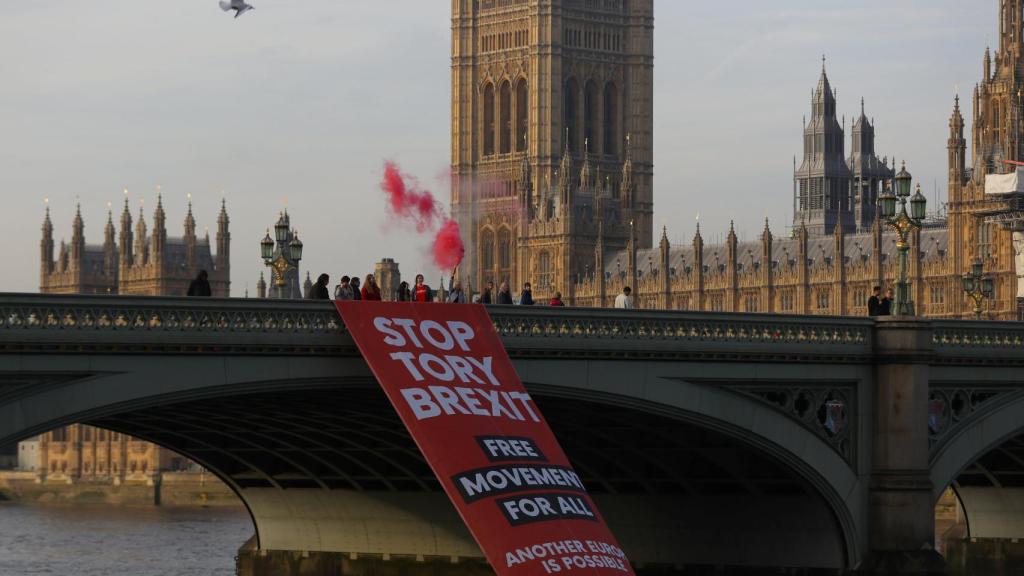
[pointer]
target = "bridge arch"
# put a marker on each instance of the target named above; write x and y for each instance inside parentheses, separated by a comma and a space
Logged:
(304, 477)
(984, 464)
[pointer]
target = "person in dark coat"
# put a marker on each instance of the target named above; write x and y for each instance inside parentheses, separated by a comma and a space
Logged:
(875, 302)
(319, 291)
(200, 286)
(357, 293)
(885, 308)
(505, 295)
(487, 297)
(526, 296)
(404, 295)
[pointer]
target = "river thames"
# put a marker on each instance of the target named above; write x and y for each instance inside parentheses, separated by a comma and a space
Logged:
(112, 541)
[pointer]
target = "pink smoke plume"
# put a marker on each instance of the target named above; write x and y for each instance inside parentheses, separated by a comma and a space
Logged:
(408, 202)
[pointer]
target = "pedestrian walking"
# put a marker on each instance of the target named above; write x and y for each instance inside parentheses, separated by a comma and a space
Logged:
(504, 294)
(200, 286)
(319, 291)
(371, 291)
(625, 300)
(421, 292)
(556, 300)
(526, 296)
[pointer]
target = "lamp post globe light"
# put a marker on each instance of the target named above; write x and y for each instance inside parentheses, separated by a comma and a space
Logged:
(977, 286)
(282, 254)
(894, 210)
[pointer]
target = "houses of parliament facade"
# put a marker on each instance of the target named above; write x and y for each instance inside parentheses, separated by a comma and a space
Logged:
(130, 261)
(552, 177)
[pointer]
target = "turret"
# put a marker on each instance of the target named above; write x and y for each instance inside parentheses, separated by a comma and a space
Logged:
(77, 240)
(956, 148)
(665, 277)
(141, 252)
(587, 171)
(731, 247)
(698, 269)
(565, 182)
(110, 247)
(767, 278)
(46, 246)
(986, 64)
(307, 286)
(261, 287)
(190, 236)
(223, 243)
(627, 187)
(124, 247)
(159, 232)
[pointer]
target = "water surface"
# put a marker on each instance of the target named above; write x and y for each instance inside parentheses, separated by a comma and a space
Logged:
(112, 541)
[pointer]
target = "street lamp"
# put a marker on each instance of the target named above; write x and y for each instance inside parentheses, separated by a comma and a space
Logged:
(282, 256)
(977, 286)
(903, 224)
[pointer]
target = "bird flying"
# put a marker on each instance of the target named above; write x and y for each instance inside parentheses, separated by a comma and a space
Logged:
(239, 6)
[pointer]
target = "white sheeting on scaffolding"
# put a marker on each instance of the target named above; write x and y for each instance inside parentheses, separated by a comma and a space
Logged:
(1012, 183)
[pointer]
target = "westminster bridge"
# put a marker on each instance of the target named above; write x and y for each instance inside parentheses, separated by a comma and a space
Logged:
(713, 439)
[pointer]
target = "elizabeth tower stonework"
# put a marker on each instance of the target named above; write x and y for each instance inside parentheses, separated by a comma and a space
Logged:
(552, 122)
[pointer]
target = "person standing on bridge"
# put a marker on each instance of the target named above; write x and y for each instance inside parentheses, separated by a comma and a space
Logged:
(404, 295)
(456, 295)
(885, 309)
(370, 290)
(357, 293)
(200, 286)
(625, 300)
(526, 296)
(487, 296)
(505, 294)
(319, 291)
(343, 291)
(421, 292)
(556, 300)
(875, 302)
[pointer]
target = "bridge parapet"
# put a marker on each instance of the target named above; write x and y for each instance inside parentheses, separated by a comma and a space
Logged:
(986, 341)
(29, 322)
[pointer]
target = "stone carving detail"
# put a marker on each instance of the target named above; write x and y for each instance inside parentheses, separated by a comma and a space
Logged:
(679, 327)
(952, 408)
(827, 411)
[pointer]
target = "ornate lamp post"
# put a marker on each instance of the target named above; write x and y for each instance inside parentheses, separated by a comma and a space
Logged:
(903, 224)
(283, 256)
(977, 286)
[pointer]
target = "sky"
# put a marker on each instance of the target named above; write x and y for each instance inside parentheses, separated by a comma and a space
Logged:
(298, 104)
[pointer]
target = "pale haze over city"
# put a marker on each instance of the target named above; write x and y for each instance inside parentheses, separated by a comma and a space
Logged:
(298, 104)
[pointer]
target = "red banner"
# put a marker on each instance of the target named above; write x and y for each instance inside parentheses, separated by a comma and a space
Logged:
(448, 376)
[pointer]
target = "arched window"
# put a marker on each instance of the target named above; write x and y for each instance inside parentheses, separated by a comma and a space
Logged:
(611, 119)
(505, 253)
(522, 115)
(545, 275)
(505, 113)
(489, 119)
(590, 118)
(487, 256)
(569, 112)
